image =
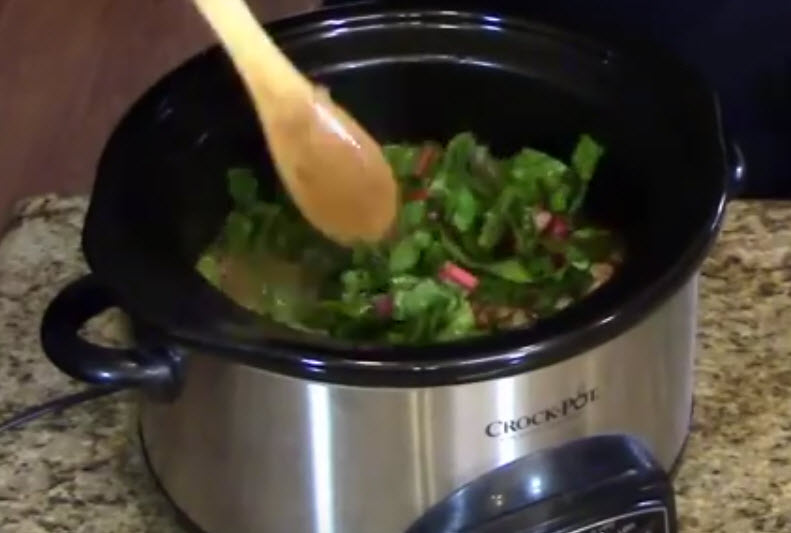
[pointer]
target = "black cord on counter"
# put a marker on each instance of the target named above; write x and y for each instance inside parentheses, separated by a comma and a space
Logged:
(56, 405)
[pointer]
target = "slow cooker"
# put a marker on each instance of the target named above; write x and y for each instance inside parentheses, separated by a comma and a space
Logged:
(569, 425)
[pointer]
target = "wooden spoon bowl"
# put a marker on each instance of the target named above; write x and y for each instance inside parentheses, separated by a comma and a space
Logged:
(333, 169)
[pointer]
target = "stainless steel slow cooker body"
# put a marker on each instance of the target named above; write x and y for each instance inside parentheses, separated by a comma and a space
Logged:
(245, 450)
(250, 427)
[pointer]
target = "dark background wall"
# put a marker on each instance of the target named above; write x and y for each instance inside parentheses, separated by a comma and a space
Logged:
(744, 49)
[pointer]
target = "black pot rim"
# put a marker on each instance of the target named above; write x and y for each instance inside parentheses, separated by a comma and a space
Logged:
(492, 357)
(484, 358)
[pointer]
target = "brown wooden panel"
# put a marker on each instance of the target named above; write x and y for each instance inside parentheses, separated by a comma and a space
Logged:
(69, 68)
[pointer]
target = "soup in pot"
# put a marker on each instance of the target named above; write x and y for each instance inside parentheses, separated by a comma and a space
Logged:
(481, 244)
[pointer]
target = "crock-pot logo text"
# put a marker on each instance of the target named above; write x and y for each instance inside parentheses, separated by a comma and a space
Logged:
(563, 409)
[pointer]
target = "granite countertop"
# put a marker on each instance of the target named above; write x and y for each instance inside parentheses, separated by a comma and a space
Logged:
(81, 471)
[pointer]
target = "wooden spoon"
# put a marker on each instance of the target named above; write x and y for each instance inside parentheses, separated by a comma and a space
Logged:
(333, 169)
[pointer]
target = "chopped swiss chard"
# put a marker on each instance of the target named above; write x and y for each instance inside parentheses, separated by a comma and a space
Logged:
(243, 187)
(461, 277)
(475, 235)
(401, 158)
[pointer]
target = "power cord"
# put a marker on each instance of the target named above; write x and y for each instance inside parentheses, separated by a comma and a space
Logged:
(56, 405)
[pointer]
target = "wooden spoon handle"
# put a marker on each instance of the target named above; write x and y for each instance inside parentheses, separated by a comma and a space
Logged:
(269, 74)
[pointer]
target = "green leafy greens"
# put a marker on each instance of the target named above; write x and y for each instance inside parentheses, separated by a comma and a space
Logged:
(481, 244)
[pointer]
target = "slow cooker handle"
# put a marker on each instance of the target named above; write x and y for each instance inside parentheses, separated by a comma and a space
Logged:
(153, 370)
